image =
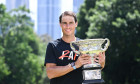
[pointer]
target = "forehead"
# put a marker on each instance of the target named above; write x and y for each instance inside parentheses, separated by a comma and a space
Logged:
(67, 18)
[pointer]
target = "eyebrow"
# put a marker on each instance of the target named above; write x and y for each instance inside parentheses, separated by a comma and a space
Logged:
(66, 22)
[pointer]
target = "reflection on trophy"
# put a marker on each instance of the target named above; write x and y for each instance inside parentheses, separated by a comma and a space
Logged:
(91, 72)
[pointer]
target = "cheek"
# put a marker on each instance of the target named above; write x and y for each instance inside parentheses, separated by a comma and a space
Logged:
(62, 29)
(74, 28)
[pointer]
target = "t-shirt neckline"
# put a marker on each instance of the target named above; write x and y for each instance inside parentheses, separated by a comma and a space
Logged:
(66, 42)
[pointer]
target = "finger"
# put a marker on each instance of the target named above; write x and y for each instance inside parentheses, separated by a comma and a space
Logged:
(100, 54)
(96, 61)
(103, 53)
(83, 55)
(86, 57)
(86, 62)
(95, 56)
(89, 62)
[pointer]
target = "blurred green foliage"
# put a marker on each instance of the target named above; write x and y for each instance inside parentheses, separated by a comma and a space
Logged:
(21, 50)
(118, 20)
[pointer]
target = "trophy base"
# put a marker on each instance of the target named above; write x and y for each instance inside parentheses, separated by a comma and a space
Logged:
(97, 81)
(91, 66)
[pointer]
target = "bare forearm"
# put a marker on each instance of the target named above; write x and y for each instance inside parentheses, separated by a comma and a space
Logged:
(54, 71)
(57, 71)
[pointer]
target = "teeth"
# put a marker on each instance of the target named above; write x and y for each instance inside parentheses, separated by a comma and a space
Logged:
(68, 30)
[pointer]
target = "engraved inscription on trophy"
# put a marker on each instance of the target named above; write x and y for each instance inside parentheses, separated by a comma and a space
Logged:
(92, 74)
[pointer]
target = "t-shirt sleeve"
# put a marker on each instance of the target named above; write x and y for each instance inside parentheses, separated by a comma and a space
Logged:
(50, 55)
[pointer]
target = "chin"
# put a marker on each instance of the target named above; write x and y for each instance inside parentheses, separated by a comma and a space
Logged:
(67, 35)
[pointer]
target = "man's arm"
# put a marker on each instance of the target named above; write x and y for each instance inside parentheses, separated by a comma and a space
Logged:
(54, 71)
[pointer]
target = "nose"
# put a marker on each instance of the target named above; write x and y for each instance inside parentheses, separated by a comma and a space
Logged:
(68, 25)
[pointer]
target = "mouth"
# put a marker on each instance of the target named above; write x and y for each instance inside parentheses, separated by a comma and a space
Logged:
(67, 30)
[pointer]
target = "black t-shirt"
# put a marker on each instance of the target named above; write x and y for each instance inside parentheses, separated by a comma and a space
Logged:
(60, 53)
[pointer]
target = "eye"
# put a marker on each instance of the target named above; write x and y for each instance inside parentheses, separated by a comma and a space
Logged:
(64, 23)
(71, 22)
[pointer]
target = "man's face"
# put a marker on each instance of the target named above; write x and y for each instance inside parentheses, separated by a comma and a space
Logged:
(68, 25)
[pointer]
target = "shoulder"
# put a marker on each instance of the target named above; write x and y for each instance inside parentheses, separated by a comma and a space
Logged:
(77, 39)
(55, 42)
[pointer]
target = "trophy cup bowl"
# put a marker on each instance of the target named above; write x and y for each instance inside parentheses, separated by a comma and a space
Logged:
(91, 72)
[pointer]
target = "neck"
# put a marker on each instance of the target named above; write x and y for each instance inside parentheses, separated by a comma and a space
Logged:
(69, 39)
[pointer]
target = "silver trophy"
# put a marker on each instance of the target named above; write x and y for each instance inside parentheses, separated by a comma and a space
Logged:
(91, 72)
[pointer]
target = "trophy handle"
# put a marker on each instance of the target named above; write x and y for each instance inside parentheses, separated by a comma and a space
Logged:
(74, 46)
(106, 45)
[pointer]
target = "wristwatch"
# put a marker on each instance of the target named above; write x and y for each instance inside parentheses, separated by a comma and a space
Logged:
(73, 65)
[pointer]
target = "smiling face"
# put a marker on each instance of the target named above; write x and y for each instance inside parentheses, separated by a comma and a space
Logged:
(68, 25)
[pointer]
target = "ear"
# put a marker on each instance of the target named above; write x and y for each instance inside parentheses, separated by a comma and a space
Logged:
(76, 24)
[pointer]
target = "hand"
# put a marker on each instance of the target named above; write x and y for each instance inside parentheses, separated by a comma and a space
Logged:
(100, 59)
(82, 60)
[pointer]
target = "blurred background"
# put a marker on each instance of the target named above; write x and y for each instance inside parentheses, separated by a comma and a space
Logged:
(26, 27)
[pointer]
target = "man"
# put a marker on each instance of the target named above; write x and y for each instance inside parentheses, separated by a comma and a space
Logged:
(63, 66)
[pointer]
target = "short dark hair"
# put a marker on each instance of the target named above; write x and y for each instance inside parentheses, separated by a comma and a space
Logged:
(68, 13)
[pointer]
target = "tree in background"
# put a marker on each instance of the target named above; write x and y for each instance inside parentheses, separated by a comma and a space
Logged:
(22, 55)
(4, 68)
(118, 20)
(83, 22)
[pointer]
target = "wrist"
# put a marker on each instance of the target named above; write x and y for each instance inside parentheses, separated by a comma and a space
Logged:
(77, 65)
(73, 65)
